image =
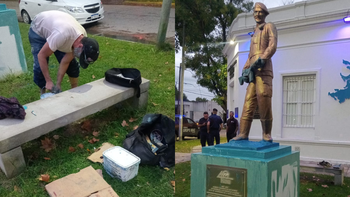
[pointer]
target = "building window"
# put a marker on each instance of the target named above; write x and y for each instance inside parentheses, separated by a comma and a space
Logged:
(231, 69)
(299, 100)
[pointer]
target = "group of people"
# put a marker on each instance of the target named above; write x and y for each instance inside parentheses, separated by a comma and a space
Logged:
(210, 127)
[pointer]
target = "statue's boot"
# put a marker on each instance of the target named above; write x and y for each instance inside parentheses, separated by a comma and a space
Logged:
(244, 130)
(266, 127)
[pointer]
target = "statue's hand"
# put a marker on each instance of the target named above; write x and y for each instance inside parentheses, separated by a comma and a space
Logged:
(262, 62)
(259, 63)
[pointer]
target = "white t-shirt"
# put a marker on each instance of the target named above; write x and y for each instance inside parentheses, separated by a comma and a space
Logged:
(60, 29)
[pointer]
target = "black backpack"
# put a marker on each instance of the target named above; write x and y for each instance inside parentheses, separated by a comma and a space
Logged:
(136, 141)
(127, 77)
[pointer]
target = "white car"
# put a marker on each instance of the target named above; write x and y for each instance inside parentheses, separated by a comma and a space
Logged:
(85, 11)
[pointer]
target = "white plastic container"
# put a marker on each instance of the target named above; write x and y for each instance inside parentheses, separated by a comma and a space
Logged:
(120, 163)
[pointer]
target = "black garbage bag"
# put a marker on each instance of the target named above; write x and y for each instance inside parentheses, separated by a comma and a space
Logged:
(153, 141)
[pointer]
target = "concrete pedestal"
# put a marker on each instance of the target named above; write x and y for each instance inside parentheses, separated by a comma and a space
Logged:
(138, 102)
(12, 58)
(245, 168)
(12, 162)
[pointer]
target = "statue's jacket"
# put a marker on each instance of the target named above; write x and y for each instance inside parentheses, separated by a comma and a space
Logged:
(263, 44)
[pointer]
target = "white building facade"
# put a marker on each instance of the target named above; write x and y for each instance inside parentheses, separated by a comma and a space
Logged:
(311, 61)
(195, 110)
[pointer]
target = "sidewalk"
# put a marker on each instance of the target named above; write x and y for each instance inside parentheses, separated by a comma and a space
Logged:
(184, 157)
(151, 4)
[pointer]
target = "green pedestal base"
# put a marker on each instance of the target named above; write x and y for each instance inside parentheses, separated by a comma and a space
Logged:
(12, 58)
(245, 168)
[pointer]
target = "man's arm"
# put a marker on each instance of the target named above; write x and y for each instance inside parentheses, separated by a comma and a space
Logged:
(221, 123)
(208, 126)
(44, 53)
(236, 127)
(227, 125)
(201, 123)
(67, 58)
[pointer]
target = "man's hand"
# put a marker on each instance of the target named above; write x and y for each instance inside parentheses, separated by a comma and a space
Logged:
(56, 89)
(49, 85)
(203, 124)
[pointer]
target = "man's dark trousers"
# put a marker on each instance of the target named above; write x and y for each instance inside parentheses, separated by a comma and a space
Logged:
(230, 135)
(204, 138)
(214, 133)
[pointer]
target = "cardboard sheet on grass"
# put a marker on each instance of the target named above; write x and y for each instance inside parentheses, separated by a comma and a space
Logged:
(86, 183)
(97, 156)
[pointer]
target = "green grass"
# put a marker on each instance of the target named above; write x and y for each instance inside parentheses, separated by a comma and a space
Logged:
(315, 182)
(307, 181)
(148, 3)
(157, 66)
(185, 146)
(183, 179)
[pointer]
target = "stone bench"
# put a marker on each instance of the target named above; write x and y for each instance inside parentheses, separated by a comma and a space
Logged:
(58, 111)
(314, 168)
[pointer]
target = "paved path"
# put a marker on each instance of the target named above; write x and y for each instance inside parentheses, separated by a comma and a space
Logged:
(184, 157)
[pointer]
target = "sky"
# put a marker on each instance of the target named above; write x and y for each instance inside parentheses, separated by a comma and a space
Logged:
(191, 88)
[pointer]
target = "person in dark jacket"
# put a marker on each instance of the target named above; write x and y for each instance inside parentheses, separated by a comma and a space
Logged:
(203, 129)
(214, 126)
(232, 127)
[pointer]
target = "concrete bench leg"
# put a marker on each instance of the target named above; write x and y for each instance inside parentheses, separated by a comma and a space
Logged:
(138, 102)
(12, 162)
(339, 178)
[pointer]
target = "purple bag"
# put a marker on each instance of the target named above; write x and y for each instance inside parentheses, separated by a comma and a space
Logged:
(10, 108)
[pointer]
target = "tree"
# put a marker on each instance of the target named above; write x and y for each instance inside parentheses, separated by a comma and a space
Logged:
(177, 95)
(198, 99)
(206, 28)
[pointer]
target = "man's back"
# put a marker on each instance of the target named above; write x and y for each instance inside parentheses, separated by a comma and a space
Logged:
(215, 121)
(60, 29)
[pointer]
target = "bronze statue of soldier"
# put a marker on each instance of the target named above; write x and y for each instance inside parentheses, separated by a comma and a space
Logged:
(259, 91)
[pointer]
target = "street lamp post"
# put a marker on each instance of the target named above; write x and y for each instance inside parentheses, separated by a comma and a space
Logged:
(182, 66)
